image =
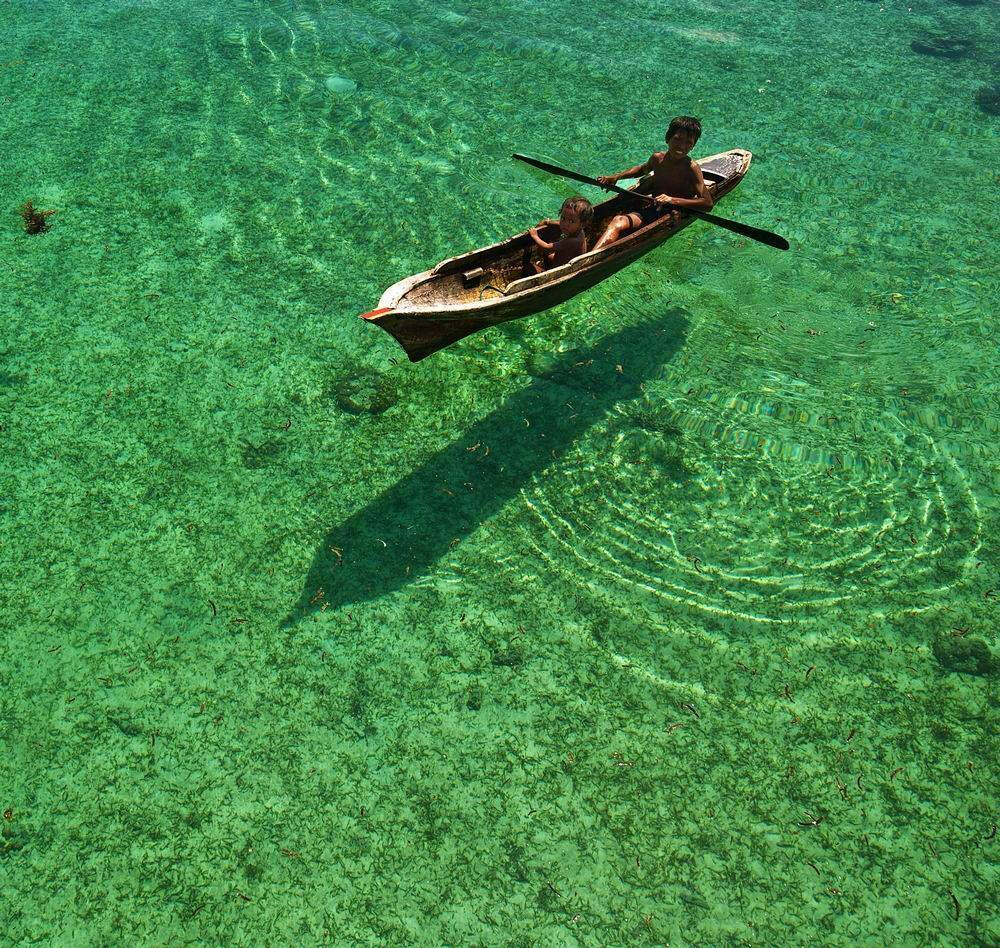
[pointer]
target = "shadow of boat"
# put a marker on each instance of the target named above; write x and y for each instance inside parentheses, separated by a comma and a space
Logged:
(394, 539)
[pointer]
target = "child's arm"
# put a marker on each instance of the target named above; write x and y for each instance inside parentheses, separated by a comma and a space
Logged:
(538, 240)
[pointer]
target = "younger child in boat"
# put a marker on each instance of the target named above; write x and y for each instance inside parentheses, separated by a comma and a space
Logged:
(574, 216)
(677, 182)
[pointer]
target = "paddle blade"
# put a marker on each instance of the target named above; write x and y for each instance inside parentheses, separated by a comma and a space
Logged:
(745, 230)
(576, 176)
(550, 182)
(555, 169)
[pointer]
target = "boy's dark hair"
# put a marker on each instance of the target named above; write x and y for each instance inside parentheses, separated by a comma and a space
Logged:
(684, 123)
(583, 208)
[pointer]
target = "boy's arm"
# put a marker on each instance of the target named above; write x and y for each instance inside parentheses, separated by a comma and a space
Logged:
(635, 172)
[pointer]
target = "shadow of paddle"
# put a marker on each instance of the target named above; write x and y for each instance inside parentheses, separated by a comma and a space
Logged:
(407, 528)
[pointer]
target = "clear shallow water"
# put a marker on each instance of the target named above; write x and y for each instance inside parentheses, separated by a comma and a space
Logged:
(306, 643)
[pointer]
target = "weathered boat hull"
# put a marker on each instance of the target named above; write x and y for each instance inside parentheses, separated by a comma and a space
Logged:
(431, 310)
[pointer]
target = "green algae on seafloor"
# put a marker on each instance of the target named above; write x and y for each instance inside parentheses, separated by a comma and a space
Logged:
(532, 627)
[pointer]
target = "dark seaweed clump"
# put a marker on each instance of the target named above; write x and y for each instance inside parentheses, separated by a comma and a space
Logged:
(34, 221)
(959, 654)
(257, 456)
(988, 99)
(509, 658)
(474, 697)
(367, 393)
(944, 47)
(11, 840)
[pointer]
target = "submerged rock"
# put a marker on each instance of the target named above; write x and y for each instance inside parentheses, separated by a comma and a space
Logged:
(340, 85)
(213, 222)
(366, 393)
(944, 47)
(988, 99)
(959, 654)
(277, 37)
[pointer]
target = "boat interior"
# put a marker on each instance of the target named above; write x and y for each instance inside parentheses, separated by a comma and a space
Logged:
(508, 267)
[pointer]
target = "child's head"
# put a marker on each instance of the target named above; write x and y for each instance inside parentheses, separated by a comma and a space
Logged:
(574, 215)
(683, 133)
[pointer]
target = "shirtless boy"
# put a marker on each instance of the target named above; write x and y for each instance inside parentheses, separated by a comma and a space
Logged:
(677, 182)
(575, 214)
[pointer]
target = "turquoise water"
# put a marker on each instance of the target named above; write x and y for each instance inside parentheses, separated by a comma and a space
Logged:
(667, 616)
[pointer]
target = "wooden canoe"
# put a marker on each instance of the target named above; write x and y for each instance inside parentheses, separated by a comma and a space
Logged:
(461, 295)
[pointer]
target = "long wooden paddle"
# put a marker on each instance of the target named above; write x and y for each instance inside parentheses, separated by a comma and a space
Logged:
(754, 233)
